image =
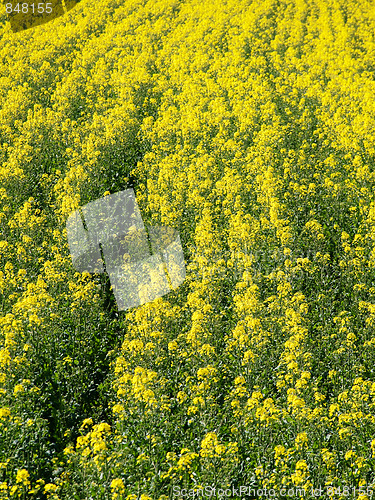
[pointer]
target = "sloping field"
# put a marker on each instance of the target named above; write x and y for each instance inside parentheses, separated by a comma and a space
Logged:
(248, 126)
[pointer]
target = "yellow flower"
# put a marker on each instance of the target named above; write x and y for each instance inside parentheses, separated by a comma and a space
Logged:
(103, 427)
(13, 490)
(83, 441)
(118, 484)
(69, 450)
(50, 488)
(118, 408)
(23, 477)
(181, 396)
(4, 412)
(349, 455)
(300, 440)
(142, 457)
(300, 474)
(344, 432)
(67, 360)
(99, 446)
(172, 346)
(186, 459)
(18, 388)
(86, 422)
(328, 457)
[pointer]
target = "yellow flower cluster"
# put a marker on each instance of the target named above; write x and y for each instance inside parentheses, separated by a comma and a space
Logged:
(248, 127)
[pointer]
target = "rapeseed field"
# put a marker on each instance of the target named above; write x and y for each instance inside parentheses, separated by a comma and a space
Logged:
(248, 127)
